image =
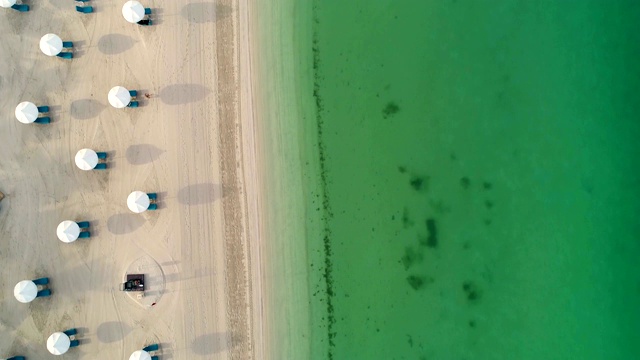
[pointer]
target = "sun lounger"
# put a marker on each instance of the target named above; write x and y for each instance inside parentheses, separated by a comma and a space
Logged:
(67, 44)
(71, 332)
(133, 93)
(43, 293)
(41, 281)
(133, 104)
(145, 22)
(65, 55)
(84, 235)
(84, 9)
(17, 358)
(102, 155)
(43, 109)
(74, 343)
(43, 120)
(101, 166)
(20, 7)
(147, 11)
(154, 358)
(152, 196)
(153, 207)
(153, 347)
(83, 224)
(83, 0)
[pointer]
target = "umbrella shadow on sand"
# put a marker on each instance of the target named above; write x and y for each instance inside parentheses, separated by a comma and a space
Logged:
(141, 154)
(183, 93)
(115, 44)
(112, 331)
(198, 194)
(84, 109)
(213, 343)
(120, 224)
(204, 12)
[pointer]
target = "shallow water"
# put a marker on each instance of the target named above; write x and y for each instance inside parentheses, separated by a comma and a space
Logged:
(480, 180)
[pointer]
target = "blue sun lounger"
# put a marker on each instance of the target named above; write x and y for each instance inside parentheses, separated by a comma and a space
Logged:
(84, 9)
(84, 235)
(43, 109)
(101, 166)
(20, 7)
(102, 155)
(41, 281)
(133, 93)
(152, 347)
(83, 224)
(43, 293)
(43, 120)
(74, 343)
(153, 207)
(152, 196)
(155, 358)
(133, 104)
(147, 11)
(67, 44)
(71, 332)
(65, 55)
(17, 358)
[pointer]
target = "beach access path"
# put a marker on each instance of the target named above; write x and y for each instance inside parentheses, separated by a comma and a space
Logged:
(192, 141)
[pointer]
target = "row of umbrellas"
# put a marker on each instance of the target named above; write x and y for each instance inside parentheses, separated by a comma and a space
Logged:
(132, 11)
(86, 159)
(27, 112)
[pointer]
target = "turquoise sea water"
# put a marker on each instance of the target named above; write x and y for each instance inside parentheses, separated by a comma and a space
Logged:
(472, 180)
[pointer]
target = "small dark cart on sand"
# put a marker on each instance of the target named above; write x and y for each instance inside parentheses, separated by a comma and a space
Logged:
(134, 282)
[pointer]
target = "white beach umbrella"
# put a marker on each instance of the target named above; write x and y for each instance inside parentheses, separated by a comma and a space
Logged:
(68, 231)
(140, 355)
(26, 112)
(7, 3)
(58, 343)
(138, 201)
(86, 159)
(119, 97)
(133, 11)
(51, 44)
(25, 291)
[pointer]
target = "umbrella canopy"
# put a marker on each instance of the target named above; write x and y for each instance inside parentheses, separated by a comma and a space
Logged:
(140, 355)
(26, 112)
(51, 44)
(138, 201)
(58, 343)
(86, 159)
(132, 11)
(68, 231)
(119, 97)
(7, 3)
(25, 291)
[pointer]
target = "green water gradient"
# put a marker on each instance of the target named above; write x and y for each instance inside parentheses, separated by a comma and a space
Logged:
(479, 180)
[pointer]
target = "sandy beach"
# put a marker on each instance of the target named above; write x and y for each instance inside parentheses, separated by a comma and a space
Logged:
(193, 141)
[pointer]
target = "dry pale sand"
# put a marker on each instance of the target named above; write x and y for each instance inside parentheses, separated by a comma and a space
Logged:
(193, 142)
